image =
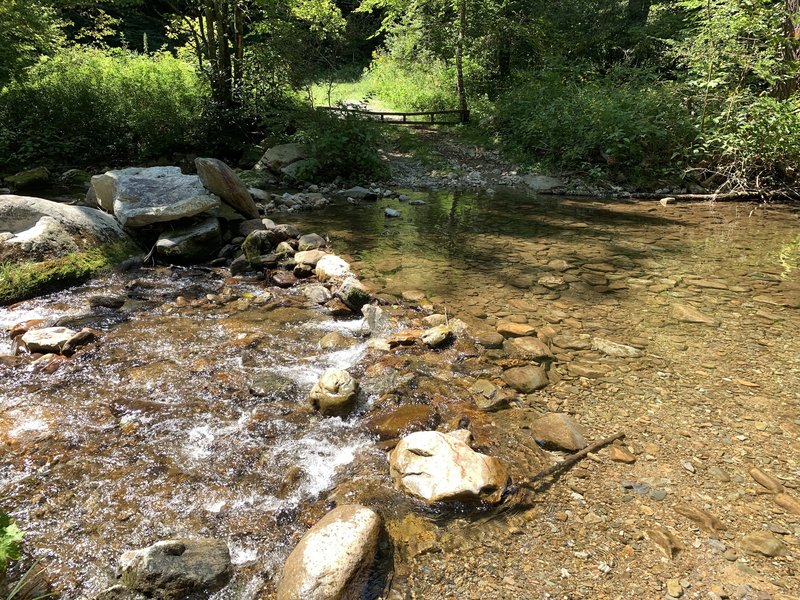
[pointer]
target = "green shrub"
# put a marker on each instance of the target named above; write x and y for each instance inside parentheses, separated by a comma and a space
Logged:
(10, 538)
(639, 129)
(89, 106)
(344, 144)
(407, 86)
(754, 139)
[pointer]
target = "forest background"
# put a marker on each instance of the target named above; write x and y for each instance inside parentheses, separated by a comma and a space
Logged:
(642, 93)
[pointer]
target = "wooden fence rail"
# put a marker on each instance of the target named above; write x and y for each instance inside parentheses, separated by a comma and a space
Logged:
(402, 118)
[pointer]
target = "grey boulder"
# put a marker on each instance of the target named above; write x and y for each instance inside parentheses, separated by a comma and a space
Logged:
(191, 243)
(218, 178)
(174, 569)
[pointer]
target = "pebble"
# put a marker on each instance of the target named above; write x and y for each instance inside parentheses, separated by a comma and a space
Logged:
(674, 588)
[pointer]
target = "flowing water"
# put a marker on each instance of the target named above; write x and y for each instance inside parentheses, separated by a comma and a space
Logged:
(155, 432)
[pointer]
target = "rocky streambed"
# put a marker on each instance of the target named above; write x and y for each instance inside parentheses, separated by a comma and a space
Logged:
(560, 322)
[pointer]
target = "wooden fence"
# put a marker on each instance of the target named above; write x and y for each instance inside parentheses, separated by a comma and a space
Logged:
(406, 118)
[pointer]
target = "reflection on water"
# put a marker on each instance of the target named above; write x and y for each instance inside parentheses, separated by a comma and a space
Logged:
(155, 432)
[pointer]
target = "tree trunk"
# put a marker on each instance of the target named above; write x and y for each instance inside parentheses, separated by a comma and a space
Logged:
(638, 11)
(791, 51)
(462, 31)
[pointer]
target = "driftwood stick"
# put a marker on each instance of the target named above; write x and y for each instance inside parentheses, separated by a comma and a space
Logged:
(567, 462)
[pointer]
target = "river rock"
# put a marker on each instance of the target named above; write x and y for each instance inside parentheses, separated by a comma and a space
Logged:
(376, 320)
(334, 395)
(39, 229)
(530, 348)
(273, 386)
(359, 193)
(436, 336)
(526, 379)
(402, 420)
(542, 183)
(174, 569)
(391, 213)
(309, 257)
(689, 314)
(318, 294)
(85, 336)
(278, 157)
(283, 279)
(335, 341)
(140, 197)
(441, 467)
(311, 241)
(281, 233)
(285, 249)
(255, 244)
(510, 329)
(191, 243)
(353, 294)
(47, 339)
(219, 179)
(616, 349)
(331, 267)
(558, 431)
(333, 559)
(301, 170)
(788, 503)
(763, 542)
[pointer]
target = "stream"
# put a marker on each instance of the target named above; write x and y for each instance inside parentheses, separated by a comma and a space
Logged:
(162, 429)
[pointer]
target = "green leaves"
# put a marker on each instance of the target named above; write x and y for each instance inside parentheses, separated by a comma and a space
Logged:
(10, 538)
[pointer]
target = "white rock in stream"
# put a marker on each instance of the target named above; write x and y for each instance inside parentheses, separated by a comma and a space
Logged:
(331, 267)
(441, 467)
(335, 393)
(616, 349)
(48, 339)
(333, 559)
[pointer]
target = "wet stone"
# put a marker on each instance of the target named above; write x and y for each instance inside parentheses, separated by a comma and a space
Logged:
(273, 386)
(402, 420)
(526, 379)
(558, 431)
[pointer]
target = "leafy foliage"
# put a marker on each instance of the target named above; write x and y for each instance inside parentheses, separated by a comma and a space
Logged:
(636, 129)
(101, 106)
(10, 538)
(344, 144)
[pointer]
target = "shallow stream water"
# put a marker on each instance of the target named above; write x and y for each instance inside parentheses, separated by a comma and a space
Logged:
(156, 432)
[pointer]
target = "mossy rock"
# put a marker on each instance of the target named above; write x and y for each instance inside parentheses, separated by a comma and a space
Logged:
(23, 280)
(28, 180)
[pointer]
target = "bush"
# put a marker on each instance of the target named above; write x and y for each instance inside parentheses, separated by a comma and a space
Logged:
(754, 139)
(88, 106)
(344, 144)
(641, 130)
(408, 86)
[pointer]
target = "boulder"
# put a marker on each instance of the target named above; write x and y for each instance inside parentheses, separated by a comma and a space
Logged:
(191, 243)
(174, 569)
(318, 294)
(402, 420)
(311, 241)
(309, 257)
(526, 379)
(39, 229)
(333, 559)
(29, 180)
(47, 339)
(359, 193)
(143, 196)
(331, 267)
(542, 183)
(257, 243)
(281, 156)
(334, 395)
(281, 233)
(558, 431)
(441, 467)
(219, 179)
(353, 294)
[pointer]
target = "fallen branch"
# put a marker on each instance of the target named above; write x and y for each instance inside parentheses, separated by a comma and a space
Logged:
(567, 462)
